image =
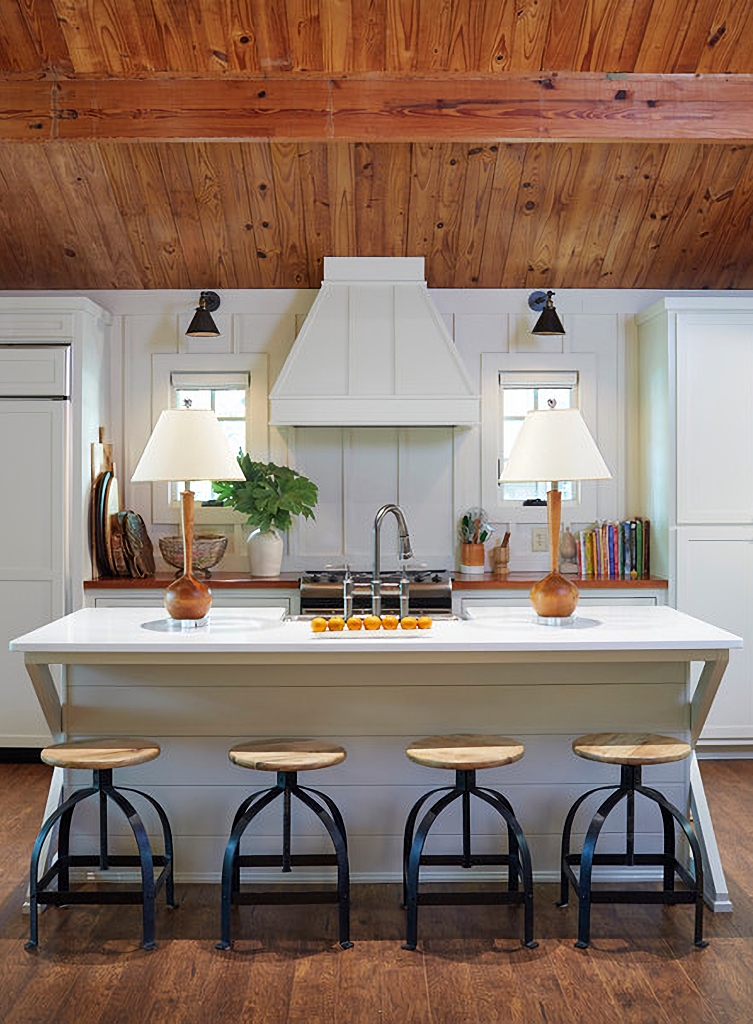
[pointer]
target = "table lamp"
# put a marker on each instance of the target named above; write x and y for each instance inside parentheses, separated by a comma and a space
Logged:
(187, 444)
(553, 445)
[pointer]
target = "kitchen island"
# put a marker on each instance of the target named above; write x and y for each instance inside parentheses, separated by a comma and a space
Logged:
(250, 673)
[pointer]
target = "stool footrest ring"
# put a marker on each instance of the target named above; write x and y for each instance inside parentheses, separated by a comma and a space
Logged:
(469, 898)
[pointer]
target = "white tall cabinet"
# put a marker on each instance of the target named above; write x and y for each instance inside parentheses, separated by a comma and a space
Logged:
(54, 390)
(694, 424)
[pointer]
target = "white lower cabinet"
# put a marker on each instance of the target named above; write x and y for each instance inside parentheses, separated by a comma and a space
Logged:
(286, 598)
(463, 600)
(715, 583)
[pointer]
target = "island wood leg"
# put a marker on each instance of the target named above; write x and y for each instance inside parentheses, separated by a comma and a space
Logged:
(717, 892)
(49, 701)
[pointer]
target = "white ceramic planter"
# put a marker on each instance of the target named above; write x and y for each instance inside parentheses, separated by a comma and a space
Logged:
(265, 553)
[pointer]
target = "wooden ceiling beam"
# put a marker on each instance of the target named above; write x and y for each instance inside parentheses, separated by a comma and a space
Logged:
(511, 107)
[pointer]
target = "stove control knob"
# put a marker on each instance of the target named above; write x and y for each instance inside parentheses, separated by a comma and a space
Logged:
(419, 577)
(436, 578)
(315, 577)
(332, 578)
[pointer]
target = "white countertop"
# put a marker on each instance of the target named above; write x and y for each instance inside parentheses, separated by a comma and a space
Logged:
(260, 630)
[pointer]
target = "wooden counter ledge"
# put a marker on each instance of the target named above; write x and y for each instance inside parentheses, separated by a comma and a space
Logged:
(217, 581)
(220, 580)
(524, 580)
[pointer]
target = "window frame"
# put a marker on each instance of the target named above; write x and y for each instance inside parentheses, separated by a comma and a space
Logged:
(254, 364)
(492, 365)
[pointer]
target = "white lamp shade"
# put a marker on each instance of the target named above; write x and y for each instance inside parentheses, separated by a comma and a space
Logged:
(187, 444)
(554, 444)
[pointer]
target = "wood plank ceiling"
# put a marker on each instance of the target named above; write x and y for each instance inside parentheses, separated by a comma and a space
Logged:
(235, 143)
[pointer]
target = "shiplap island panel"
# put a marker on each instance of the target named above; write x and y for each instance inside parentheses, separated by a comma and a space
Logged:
(251, 673)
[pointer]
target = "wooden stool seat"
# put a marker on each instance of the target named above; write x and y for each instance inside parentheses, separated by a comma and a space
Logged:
(279, 755)
(465, 751)
(100, 753)
(630, 748)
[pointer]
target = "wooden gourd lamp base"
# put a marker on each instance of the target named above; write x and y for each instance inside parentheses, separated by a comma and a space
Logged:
(554, 597)
(188, 599)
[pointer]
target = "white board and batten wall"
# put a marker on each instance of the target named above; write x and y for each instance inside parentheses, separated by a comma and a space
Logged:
(435, 473)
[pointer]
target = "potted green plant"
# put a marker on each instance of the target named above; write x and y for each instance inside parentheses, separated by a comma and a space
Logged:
(269, 497)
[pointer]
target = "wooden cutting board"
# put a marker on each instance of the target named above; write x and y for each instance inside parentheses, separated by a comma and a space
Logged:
(111, 507)
(101, 462)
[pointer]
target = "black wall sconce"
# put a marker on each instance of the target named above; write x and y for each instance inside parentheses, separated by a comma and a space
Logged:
(548, 322)
(202, 325)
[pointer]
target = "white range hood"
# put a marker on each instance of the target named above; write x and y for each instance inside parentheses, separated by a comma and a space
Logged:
(373, 351)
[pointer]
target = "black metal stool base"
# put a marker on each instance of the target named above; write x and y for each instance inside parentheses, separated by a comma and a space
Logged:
(328, 813)
(517, 859)
(39, 888)
(630, 785)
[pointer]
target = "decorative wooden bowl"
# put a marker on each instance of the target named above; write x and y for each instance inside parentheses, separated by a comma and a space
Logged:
(208, 550)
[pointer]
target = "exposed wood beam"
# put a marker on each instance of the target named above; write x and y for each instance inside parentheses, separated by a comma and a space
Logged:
(561, 107)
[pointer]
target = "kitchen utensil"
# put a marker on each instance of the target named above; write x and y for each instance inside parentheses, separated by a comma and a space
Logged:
(110, 509)
(137, 544)
(101, 560)
(474, 527)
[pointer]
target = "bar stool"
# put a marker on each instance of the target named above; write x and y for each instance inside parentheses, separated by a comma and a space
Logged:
(102, 756)
(286, 758)
(465, 754)
(631, 751)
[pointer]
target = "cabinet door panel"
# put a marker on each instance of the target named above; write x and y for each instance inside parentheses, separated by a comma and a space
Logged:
(32, 559)
(715, 578)
(714, 418)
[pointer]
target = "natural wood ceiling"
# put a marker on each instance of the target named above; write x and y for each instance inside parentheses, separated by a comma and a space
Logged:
(208, 37)
(234, 143)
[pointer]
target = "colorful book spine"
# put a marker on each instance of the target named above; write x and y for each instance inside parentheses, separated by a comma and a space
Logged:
(618, 550)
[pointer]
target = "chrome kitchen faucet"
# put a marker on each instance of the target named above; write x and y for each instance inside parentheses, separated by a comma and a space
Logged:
(405, 552)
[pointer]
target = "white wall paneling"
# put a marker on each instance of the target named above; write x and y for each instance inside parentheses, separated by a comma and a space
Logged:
(436, 474)
(370, 478)
(375, 718)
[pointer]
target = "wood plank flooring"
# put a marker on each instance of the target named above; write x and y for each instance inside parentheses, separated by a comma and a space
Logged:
(285, 968)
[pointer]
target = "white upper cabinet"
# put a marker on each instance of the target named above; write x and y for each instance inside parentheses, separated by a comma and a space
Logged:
(714, 417)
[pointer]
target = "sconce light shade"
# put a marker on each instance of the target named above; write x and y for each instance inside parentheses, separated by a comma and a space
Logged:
(548, 322)
(202, 325)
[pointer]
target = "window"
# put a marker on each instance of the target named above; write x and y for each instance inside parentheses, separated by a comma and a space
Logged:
(225, 394)
(235, 386)
(520, 393)
(512, 384)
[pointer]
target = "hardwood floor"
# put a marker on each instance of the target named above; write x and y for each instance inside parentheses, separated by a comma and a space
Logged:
(470, 966)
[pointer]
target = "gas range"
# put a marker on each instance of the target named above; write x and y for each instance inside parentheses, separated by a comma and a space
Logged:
(334, 592)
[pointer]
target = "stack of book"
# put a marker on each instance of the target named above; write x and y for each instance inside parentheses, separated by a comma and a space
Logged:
(615, 551)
